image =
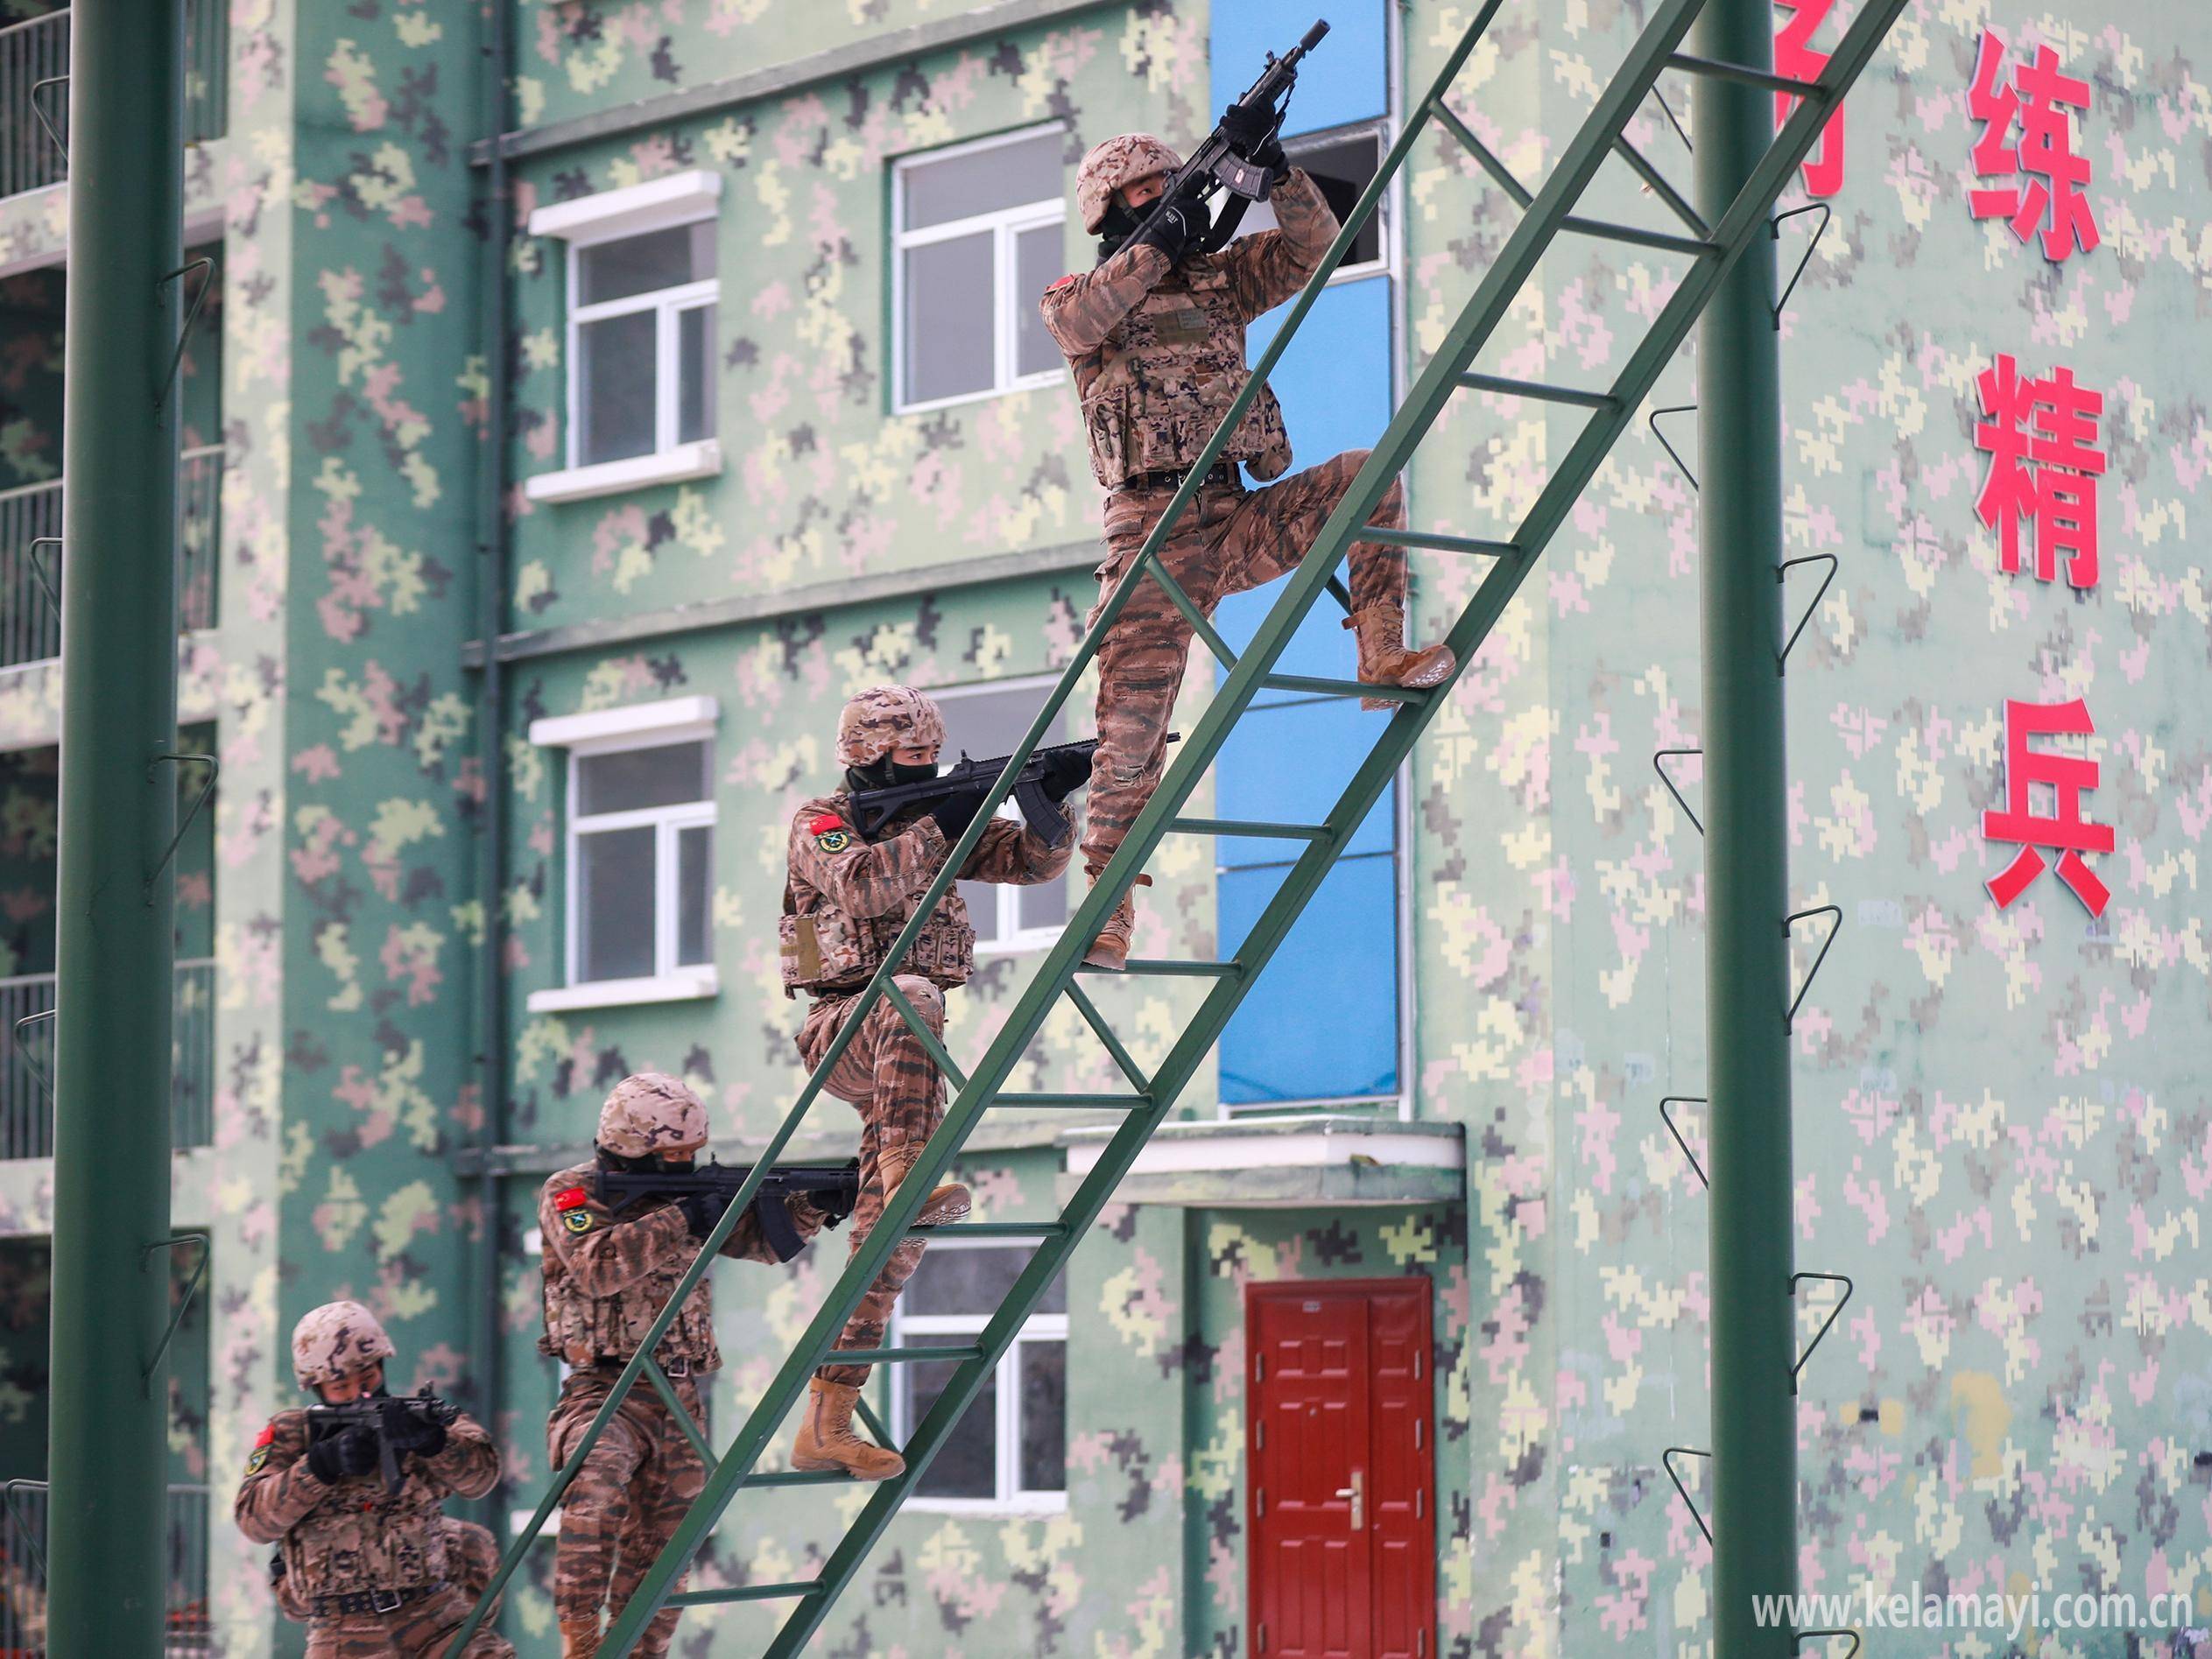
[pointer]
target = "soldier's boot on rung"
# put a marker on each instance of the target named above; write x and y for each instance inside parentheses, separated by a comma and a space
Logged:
(1383, 660)
(580, 1638)
(827, 1441)
(947, 1202)
(1110, 949)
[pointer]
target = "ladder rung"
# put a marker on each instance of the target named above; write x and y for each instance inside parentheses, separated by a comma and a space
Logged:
(897, 1356)
(798, 1478)
(1345, 688)
(1112, 1102)
(1744, 73)
(1611, 232)
(1171, 969)
(995, 1230)
(1538, 389)
(744, 1592)
(1240, 827)
(1438, 540)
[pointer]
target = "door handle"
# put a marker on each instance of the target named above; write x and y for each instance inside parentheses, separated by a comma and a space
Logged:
(1356, 1493)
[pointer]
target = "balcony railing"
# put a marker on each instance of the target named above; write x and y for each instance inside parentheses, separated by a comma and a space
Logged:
(38, 50)
(187, 1629)
(27, 1067)
(30, 575)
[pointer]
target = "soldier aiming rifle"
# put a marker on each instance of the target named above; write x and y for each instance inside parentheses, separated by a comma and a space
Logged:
(1154, 338)
(1047, 768)
(832, 1189)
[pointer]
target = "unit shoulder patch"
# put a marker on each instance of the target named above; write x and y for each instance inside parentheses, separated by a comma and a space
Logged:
(575, 1198)
(579, 1221)
(260, 1453)
(833, 840)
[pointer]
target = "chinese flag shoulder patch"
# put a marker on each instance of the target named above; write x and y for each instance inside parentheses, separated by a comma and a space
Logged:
(1062, 283)
(572, 1198)
(822, 823)
(268, 1433)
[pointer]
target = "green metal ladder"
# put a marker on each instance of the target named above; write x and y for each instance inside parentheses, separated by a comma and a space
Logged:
(1709, 249)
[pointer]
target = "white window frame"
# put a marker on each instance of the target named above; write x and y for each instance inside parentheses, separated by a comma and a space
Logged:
(1011, 1498)
(618, 215)
(682, 719)
(1006, 225)
(1010, 937)
(1382, 130)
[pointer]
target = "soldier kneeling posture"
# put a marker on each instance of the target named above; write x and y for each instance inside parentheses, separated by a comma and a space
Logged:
(374, 1571)
(1155, 340)
(609, 1273)
(844, 903)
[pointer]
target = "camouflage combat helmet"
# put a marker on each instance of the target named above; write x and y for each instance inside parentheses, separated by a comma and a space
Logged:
(884, 718)
(650, 1113)
(1117, 162)
(335, 1340)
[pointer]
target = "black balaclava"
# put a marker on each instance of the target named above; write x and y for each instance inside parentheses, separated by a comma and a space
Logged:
(644, 1163)
(882, 772)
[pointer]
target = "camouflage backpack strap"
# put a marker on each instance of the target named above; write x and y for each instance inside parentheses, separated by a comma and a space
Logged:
(798, 944)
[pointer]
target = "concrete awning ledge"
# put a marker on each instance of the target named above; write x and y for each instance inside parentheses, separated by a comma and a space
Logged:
(1283, 1162)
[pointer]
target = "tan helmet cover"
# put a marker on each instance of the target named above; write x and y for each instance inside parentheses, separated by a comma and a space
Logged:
(1117, 162)
(335, 1339)
(887, 717)
(651, 1112)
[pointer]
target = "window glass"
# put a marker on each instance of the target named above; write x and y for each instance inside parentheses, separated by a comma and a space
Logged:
(1038, 263)
(949, 321)
(1042, 906)
(634, 265)
(615, 388)
(1044, 1415)
(1341, 955)
(695, 374)
(966, 1461)
(1341, 167)
(986, 724)
(694, 895)
(1006, 175)
(632, 779)
(615, 904)
(973, 1281)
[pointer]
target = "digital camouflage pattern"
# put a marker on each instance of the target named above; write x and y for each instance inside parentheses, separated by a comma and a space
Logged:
(1127, 158)
(649, 1112)
(472, 1556)
(335, 1340)
(887, 717)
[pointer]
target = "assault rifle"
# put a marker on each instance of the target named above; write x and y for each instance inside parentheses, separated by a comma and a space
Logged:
(1220, 163)
(833, 1188)
(375, 1416)
(873, 808)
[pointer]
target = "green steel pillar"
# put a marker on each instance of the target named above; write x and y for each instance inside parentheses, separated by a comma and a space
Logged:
(1753, 1484)
(108, 1441)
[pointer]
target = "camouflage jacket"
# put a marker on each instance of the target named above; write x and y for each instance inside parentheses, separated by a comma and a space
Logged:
(846, 897)
(608, 1274)
(1158, 352)
(346, 1537)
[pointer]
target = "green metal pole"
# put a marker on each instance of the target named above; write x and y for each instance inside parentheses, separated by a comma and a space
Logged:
(1754, 1468)
(108, 1439)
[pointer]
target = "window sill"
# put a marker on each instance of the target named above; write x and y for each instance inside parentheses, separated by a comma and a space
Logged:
(1038, 382)
(686, 986)
(680, 465)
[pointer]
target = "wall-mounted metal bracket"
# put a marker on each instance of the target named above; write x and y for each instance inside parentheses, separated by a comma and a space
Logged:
(1781, 574)
(15, 1518)
(1834, 911)
(1681, 1491)
(38, 570)
(192, 313)
(184, 1302)
(1652, 420)
(1667, 1118)
(38, 109)
(1665, 753)
(214, 770)
(23, 1053)
(1774, 228)
(1834, 1314)
(1804, 1636)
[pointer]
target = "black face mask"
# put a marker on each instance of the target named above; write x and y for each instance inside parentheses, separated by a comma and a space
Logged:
(644, 1163)
(883, 772)
(1115, 230)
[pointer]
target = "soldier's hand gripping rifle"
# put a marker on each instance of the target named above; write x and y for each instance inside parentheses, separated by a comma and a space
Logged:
(1047, 779)
(1248, 127)
(397, 1422)
(705, 1192)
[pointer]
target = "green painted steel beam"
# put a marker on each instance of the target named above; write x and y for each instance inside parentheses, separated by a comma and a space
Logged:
(108, 1431)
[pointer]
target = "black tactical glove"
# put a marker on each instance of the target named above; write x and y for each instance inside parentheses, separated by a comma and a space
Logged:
(334, 1457)
(1270, 155)
(702, 1211)
(1177, 224)
(409, 1431)
(1064, 774)
(955, 812)
(1246, 127)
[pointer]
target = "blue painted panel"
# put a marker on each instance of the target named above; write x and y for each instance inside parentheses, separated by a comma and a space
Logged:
(1347, 79)
(1321, 1023)
(1288, 766)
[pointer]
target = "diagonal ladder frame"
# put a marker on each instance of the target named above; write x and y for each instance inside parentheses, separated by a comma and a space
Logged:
(1547, 215)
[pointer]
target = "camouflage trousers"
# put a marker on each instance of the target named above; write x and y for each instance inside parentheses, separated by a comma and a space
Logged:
(420, 1630)
(625, 1503)
(1229, 539)
(887, 1076)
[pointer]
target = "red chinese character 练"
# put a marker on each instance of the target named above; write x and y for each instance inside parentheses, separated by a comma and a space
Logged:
(2036, 101)
(2064, 832)
(1795, 57)
(2040, 436)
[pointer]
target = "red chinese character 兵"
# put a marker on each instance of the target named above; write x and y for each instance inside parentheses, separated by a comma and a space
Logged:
(2040, 436)
(2065, 832)
(1795, 57)
(2036, 101)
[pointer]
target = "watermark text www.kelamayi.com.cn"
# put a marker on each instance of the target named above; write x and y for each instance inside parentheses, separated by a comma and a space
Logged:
(1868, 1609)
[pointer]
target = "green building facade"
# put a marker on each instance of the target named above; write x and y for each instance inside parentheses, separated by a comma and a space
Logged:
(753, 318)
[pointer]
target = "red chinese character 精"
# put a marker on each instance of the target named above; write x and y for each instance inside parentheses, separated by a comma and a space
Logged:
(1795, 57)
(2051, 193)
(2064, 832)
(2040, 436)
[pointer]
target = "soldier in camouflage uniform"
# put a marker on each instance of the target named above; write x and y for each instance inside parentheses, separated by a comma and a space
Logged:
(1155, 340)
(373, 1572)
(844, 903)
(608, 1274)
(472, 1556)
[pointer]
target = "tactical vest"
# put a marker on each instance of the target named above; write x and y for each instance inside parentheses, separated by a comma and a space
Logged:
(824, 949)
(359, 1537)
(589, 1330)
(1165, 377)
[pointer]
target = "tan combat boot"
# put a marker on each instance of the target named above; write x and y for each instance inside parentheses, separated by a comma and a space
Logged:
(946, 1203)
(580, 1637)
(1110, 949)
(1383, 660)
(827, 1441)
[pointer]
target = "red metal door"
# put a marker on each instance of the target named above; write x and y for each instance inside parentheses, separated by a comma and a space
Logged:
(1341, 1488)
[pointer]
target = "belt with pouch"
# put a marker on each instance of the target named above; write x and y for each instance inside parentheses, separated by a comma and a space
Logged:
(1223, 476)
(371, 1600)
